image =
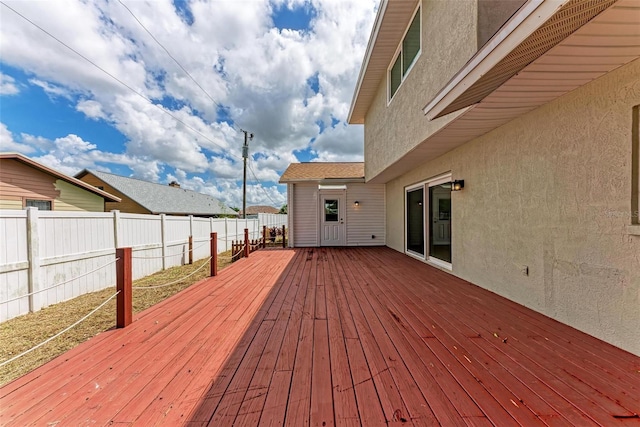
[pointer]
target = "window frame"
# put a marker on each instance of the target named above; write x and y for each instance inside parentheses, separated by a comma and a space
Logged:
(27, 199)
(399, 52)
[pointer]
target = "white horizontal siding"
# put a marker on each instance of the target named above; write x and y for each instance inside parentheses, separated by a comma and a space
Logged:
(305, 215)
(368, 218)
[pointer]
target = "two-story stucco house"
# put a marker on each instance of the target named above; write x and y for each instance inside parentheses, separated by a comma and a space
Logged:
(506, 134)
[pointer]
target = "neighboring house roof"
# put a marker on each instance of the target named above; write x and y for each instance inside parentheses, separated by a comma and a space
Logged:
(319, 172)
(59, 175)
(254, 210)
(158, 198)
(545, 50)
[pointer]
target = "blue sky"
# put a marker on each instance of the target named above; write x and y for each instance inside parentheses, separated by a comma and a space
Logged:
(284, 70)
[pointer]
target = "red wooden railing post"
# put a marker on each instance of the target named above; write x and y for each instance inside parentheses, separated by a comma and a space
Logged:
(246, 242)
(124, 306)
(214, 254)
(284, 234)
(264, 236)
(190, 250)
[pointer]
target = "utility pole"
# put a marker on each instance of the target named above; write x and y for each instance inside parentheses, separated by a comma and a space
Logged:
(245, 154)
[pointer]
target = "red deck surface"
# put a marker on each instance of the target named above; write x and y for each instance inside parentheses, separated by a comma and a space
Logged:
(333, 337)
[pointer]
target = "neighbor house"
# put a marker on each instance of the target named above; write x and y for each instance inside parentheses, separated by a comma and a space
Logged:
(329, 204)
(143, 197)
(506, 136)
(26, 183)
(253, 211)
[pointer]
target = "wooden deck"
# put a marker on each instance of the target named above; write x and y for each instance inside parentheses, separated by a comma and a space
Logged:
(333, 337)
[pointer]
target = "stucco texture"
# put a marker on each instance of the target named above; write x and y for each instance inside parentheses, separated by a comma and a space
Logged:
(449, 40)
(550, 190)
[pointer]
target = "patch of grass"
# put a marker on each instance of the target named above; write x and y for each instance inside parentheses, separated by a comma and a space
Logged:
(22, 333)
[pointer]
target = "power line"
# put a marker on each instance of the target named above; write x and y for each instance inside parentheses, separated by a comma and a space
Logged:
(257, 181)
(118, 80)
(169, 53)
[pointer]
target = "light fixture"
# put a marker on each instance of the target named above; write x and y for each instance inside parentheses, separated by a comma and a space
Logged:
(356, 203)
(457, 185)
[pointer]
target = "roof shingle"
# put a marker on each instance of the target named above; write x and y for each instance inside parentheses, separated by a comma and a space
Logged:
(159, 198)
(319, 171)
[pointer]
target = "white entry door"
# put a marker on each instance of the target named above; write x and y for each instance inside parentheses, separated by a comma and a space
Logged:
(332, 220)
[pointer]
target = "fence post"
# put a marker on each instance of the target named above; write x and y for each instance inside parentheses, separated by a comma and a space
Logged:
(33, 250)
(124, 306)
(226, 235)
(284, 236)
(190, 250)
(264, 236)
(246, 242)
(163, 239)
(116, 228)
(214, 254)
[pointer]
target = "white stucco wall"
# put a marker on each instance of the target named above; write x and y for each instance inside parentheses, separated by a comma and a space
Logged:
(551, 191)
(449, 39)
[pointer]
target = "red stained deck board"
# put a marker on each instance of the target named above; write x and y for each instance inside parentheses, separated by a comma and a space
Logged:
(369, 407)
(587, 391)
(344, 400)
(321, 387)
(386, 331)
(381, 363)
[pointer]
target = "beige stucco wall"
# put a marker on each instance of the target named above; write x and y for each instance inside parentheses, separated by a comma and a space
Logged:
(449, 40)
(73, 198)
(551, 191)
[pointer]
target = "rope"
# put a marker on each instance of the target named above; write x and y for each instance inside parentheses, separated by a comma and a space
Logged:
(175, 281)
(179, 253)
(59, 333)
(61, 283)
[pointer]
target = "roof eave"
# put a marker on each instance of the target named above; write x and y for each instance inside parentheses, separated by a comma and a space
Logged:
(71, 180)
(529, 18)
(365, 62)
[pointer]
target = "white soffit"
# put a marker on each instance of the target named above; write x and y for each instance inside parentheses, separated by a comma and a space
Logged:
(608, 41)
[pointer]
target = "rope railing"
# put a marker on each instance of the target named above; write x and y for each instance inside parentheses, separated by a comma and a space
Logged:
(175, 281)
(170, 255)
(61, 283)
(68, 328)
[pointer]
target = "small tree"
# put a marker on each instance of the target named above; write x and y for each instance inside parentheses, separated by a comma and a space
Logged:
(283, 209)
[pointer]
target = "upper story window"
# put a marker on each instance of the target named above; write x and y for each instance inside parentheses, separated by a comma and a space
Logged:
(408, 51)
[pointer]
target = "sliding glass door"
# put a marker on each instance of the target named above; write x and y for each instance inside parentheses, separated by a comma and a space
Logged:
(415, 221)
(440, 222)
(428, 220)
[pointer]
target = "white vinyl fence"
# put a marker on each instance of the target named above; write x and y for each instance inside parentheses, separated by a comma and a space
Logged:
(48, 257)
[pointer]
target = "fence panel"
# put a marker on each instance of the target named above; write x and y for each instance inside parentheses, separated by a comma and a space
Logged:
(70, 245)
(142, 233)
(14, 264)
(76, 250)
(201, 236)
(176, 234)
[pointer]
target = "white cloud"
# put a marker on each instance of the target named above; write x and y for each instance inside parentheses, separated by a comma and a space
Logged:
(8, 144)
(51, 90)
(91, 109)
(342, 143)
(258, 73)
(8, 85)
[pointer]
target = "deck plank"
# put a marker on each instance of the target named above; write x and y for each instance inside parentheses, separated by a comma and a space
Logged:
(344, 336)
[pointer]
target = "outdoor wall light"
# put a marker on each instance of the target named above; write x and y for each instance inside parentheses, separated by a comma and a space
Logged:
(356, 203)
(457, 185)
